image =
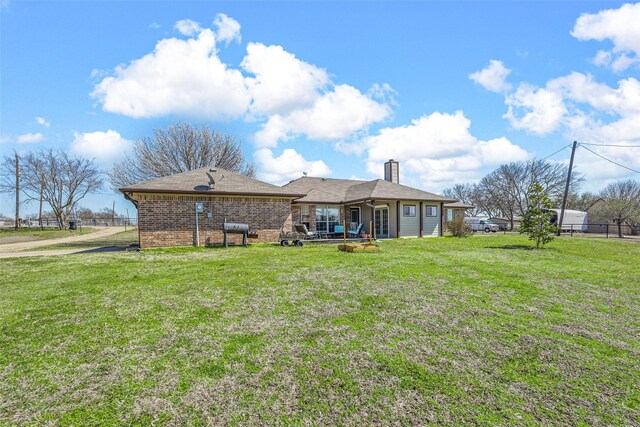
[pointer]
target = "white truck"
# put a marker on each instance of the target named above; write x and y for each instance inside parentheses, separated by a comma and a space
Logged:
(481, 224)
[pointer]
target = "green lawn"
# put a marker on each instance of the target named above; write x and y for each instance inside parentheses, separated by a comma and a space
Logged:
(10, 235)
(477, 331)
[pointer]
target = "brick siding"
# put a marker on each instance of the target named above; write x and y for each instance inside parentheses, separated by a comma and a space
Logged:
(169, 220)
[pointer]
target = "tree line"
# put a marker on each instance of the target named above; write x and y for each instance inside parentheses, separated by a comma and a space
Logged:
(60, 181)
(505, 193)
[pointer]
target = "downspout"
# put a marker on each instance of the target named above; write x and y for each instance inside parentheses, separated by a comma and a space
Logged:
(421, 234)
(398, 218)
(441, 219)
(373, 219)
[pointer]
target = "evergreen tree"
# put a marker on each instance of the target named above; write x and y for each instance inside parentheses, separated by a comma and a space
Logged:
(536, 221)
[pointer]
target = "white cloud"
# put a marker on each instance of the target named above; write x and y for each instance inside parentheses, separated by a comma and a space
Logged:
(282, 82)
(290, 97)
(183, 77)
(228, 29)
(383, 92)
(601, 114)
(43, 122)
(289, 165)
(187, 27)
(621, 26)
(493, 77)
(536, 110)
(336, 115)
(154, 26)
(105, 147)
(30, 138)
(437, 150)
(582, 88)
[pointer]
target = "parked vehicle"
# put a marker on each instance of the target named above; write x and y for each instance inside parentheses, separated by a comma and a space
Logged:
(481, 224)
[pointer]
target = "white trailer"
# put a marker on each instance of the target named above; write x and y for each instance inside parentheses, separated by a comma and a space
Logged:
(572, 220)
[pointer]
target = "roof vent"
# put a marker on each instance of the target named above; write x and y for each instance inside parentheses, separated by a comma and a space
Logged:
(212, 170)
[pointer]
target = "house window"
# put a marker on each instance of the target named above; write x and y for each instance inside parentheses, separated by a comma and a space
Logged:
(304, 215)
(431, 210)
(327, 217)
(409, 210)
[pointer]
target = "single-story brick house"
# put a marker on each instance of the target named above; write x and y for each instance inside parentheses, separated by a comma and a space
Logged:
(167, 206)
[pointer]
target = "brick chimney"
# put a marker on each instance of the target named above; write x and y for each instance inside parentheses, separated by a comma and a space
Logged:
(392, 171)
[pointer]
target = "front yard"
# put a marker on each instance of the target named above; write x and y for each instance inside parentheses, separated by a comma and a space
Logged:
(428, 331)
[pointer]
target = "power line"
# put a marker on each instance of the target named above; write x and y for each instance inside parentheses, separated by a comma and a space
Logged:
(552, 154)
(609, 160)
(610, 145)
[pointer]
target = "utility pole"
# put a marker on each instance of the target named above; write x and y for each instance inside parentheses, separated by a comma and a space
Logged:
(18, 173)
(566, 188)
(40, 211)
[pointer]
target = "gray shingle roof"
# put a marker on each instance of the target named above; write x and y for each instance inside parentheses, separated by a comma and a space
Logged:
(328, 190)
(197, 181)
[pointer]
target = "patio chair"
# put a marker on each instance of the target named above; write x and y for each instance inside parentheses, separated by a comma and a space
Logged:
(355, 233)
(301, 228)
(338, 230)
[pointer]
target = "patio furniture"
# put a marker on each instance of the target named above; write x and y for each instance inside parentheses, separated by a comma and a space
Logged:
(338, 230)
(355, 233)
(302, 229)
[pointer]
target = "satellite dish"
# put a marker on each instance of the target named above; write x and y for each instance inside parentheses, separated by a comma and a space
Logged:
(212, 182)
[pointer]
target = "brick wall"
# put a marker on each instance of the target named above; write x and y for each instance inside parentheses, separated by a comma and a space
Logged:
(169, 220)
(295, 213)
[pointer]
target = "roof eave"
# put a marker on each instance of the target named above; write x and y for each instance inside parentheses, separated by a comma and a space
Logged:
(209, 193)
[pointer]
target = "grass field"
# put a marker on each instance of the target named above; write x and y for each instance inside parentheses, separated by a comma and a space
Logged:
(478, 331)
(10, 235)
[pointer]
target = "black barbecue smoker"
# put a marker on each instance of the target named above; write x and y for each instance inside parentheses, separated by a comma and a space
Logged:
(235, 228)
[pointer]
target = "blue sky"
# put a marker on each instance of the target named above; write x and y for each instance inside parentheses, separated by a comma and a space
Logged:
(450, 89)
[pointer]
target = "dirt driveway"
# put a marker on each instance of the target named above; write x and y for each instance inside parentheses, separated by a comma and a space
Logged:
(12, 250)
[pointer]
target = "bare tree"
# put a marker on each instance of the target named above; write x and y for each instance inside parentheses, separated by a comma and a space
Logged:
(10, 181)
(621, 203)
(467, 194)
(581, 202)
(553, 178)
(505, 191)
(180, 148)
(59, 180)
(502, 191)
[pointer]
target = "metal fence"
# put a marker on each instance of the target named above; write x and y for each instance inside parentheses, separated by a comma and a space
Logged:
(79, 222)
(599, 230)
(587, 230)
